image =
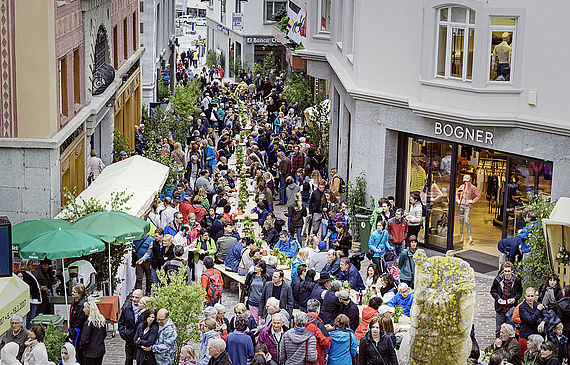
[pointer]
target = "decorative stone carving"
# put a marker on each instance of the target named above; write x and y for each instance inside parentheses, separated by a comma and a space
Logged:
(442, 313)
(104, 74)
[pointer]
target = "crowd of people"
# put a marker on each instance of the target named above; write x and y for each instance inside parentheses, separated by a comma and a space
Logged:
(314, 318)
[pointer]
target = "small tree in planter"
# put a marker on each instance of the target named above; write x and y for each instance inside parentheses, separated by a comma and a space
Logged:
(185, 303)
(53, 340)
(356, 200)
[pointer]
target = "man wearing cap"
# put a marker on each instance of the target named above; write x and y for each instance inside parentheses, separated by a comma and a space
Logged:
(46, 279)
(333, 264)
(322, 285)
(405, 298)
(318, 261)
(349, 308)
(315, 206)
(466, 195)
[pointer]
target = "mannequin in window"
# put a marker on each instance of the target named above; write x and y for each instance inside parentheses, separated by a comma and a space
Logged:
(466, 195)
(502, 52)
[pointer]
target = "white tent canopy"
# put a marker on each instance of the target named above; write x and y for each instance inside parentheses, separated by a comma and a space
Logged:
(137, 175)
(557, 234)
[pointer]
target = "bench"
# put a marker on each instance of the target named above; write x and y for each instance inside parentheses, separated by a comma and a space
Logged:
(228, 275)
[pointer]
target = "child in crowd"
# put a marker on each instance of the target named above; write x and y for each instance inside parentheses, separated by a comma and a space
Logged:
(560, 341)
(188, 355)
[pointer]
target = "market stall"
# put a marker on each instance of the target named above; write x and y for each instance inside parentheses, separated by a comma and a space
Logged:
(557, 234)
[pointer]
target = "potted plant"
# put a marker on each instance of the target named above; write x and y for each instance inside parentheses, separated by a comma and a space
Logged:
(398, 312)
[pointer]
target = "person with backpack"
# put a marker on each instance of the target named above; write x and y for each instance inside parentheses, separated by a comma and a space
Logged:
(171, 267)
(378, 243)
(212, 282)
(337, 185)
(343, 342)
(142, 267)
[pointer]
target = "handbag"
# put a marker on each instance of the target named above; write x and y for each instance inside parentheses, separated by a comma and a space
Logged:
(307, 362)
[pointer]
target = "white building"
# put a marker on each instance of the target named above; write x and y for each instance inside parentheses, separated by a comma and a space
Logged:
(447, 90)
(157, 35)
(253, 40)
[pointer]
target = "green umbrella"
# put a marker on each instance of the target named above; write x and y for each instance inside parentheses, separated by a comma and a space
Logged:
(61, 244)
(23, 231)
(113, 226)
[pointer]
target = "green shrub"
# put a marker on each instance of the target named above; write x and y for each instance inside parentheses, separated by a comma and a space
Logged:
(54, 338)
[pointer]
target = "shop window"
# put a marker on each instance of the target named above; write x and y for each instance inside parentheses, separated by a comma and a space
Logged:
(135, 32)
(272, 7)
(211, 3)
(63, 97)
(456, 34)
(125, 40)
(502, 39)
(325, 23)
(223, 11)
(238, 6)
(76, 77)
(115, 49)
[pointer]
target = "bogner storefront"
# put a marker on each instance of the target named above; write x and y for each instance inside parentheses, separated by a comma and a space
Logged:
(473, 184)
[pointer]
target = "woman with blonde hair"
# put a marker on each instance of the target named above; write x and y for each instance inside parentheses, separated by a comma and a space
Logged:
(177, 157)
(93, 335)
(204, 195)
(296, 213)
(209, 332)
(302, 258)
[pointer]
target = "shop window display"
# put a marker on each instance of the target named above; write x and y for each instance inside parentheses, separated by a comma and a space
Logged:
(502, 36)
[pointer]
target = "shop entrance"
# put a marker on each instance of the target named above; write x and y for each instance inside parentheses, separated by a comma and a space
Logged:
(473, 196)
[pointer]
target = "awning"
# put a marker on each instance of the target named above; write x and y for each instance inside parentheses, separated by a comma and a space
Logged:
(137, 175)
(557, 234)
(15, 298)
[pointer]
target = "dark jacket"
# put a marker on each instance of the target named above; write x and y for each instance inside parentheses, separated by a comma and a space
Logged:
(560, 344)
(552, 361)
(127, 323)
(351, 311)
(247, 285)
(77, 316)
(317, 292)
(20, 339)
(296, 215)
(315, 201)
(271, 236)
(93, 340)
(510, 350)
(333, 269)
(563, 312)
(331, 308)
(530, 319)
(371, 353)
(353, 277)
(542, 292)
(296, 289)
(345, 244)
(285, 300)
(223, 359)
(33, 284)
(175, 265)
(497, 290)
(305, 290)
(156, 261)
(216, 230)
(145, 339)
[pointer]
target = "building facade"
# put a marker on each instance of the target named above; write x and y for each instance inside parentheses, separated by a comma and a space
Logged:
(157, 32)
(437, 91)
(60, 94)
(251, 38)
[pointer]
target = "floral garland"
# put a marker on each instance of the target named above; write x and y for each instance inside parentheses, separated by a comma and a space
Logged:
(281, 257)
(563, 256)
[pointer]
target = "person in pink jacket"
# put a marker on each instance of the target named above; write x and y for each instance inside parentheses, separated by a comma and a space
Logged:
(466, 195)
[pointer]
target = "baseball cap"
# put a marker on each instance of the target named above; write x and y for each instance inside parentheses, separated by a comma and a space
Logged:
(384, 309)
(342, 294)
(176, 197)
(321, 183)
(322, 245)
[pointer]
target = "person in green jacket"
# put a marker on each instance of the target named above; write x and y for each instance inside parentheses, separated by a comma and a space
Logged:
(382, 212)
(206, 247)
(406, 262)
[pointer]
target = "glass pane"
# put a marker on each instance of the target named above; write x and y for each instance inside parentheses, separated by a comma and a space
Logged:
(441, 51)
(501, 50)
(526, 179)
(503, 21)
(470, 53)
(325, 14)
(457, 35)
(443, 14)
(458, 15)
(269, 10)
(480, 222)
(471, 16)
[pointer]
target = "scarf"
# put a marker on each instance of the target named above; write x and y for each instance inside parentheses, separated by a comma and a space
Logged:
(9, 353)
(71, 353)
(549, 297)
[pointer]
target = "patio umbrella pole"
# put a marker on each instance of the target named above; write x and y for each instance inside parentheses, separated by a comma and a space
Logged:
(110, 280)
(64, 284)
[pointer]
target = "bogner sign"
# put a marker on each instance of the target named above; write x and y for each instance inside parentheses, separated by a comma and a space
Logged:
(463, 132)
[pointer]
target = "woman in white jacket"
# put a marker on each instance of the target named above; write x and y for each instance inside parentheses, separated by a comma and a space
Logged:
(36, 352)
(414, 216)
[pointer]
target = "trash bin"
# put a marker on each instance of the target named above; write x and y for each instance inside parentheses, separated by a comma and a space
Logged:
(45, 319)
(363, 221)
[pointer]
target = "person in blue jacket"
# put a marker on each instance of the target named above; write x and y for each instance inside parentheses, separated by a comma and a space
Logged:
(348, 272)
(343, 342)
(287, 245)
(262, 212)
(405, 298)
(209, 156)
(333, 264)
(234, 256)
(378, 242)
(142, 267)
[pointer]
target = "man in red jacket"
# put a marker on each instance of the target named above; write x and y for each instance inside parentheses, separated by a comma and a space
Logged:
(316, 325)
(397, 230)
(185, 207)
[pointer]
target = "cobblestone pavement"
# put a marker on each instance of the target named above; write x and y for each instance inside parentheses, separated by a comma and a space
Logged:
(484, 316)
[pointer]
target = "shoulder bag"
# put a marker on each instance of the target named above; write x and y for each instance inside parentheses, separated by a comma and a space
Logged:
(307, 362)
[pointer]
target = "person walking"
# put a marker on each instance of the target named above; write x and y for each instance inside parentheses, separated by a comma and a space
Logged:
(378, 243)
(128, 322)
(376, 348)
(343, 342)
(406, 262)
(77, 317)
(164, 346)
(415, 215)
(506, 290)
(239, 345)
(93, 335)
(296, 213)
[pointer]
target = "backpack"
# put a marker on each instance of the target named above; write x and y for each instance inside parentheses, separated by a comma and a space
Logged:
(171, 268)
(215, 286)
(342, 188)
